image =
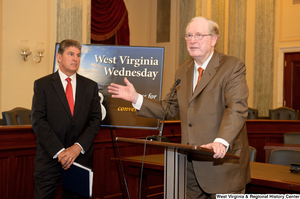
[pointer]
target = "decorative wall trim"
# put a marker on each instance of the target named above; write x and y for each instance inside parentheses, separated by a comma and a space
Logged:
(289, 11)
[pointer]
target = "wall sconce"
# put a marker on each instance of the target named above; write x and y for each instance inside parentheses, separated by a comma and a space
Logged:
(25, 53)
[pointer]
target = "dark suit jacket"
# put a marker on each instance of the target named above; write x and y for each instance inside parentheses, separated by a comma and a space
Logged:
(217, 109)
(54, 125)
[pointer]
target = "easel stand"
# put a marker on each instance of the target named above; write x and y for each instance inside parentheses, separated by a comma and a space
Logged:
(175, 164)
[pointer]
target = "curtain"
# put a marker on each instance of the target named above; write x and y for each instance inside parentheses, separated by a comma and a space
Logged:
(109, 22)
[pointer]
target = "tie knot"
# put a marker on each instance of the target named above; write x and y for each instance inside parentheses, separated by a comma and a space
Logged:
(200, 70)
(68, 79)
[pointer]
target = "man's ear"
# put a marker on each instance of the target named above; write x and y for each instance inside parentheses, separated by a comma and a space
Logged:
(58, 57)
(214, 39)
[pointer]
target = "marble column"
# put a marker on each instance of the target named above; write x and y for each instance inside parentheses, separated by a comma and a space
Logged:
(69, 20)
(263, 56)
(237, 28)
(187, 12)
(218, 15)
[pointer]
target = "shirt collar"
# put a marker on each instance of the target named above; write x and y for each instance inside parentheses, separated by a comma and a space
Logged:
(63, 76)
(204, 65)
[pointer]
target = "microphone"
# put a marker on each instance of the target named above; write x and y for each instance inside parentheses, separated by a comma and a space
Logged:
(159, 137)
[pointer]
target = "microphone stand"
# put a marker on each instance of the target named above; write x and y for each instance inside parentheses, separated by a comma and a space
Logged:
(159, 137)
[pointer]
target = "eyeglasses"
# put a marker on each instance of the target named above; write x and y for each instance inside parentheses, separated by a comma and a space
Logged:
(197, 36)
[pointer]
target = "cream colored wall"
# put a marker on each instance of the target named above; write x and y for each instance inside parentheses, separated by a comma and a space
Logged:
(142, 23)
(171, 48)
(139, 17)
(34, 21)
(0, 55)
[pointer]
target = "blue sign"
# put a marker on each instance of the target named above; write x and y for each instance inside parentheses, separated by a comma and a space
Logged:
(142, 66)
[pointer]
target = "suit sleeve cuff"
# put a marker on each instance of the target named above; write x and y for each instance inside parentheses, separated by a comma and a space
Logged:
(139, 102)
(222, 141)
(55, 156)
(82, 150)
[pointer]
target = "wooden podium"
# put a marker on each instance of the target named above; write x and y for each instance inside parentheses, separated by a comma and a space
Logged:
(175, 163)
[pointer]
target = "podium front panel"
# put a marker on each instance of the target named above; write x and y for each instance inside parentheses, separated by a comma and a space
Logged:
(175, 174)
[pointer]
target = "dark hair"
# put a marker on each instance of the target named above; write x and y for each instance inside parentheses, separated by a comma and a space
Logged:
(67, 43)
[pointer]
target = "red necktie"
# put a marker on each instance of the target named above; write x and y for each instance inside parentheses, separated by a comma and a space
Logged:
(200, 72)
(69, 94)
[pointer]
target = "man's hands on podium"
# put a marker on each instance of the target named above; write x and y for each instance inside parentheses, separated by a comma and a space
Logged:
(127, 92)
(68, 156)
(218, 148)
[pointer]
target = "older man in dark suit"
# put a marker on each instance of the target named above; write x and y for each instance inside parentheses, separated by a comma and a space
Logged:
(212, 101)
(66, 117)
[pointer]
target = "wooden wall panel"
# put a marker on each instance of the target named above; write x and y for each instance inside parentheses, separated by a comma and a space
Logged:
(18, 148)
(261, 132)
(22, 167)
(17, 151)
(4, 174)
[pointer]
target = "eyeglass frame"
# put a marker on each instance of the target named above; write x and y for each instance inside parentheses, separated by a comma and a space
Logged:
(194, 36)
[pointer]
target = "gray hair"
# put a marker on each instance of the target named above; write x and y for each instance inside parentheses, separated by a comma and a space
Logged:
(213, 27)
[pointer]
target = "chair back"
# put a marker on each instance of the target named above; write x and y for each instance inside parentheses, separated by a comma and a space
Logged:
(283, 113)
(252, 151)
(252, 113)
(284, 157)
(17, 116)
(291, 138)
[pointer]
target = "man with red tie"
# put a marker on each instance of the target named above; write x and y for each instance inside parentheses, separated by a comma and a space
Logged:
(66, 117)
(212, 112)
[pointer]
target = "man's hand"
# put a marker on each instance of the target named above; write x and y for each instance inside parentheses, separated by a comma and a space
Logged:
(127, 92)
(68, 156)
(218, 148)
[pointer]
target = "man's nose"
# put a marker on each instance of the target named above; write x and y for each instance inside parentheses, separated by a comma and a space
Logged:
(193, 39)
(75, 58)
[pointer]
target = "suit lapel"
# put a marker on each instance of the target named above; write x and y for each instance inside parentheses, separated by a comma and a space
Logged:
(208, 74)
(80, 89)
(57, 84)
(189, 77)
